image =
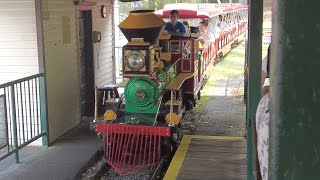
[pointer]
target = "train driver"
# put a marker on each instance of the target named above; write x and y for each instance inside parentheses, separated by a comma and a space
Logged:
(174, 26)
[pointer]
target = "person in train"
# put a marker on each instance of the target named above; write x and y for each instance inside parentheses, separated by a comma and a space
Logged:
(226, 23)
(216, 29)
(174, 26)
(187, 27)
(219, 24)
(205, 36)
(262, 131)
(187, 45)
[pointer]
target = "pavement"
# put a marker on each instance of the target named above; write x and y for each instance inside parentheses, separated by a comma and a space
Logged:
(225, 113)
(65, 159)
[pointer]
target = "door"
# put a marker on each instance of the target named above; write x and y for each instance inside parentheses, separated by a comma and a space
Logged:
(86, 61)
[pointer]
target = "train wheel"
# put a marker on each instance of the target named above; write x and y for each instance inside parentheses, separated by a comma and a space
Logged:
(167, 146)
(190, 104)
(220, 55)
(100, 135)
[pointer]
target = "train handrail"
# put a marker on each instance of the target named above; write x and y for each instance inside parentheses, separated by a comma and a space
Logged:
(159, 100)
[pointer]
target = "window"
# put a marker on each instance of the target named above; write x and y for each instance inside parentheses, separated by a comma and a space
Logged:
(175, 47)
(187, 48)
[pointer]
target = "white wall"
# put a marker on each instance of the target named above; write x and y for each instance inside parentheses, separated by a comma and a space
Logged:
(62, 66)
(18, 59)
(62, 61)
(103, 51)
(19, 54)
(18, 40)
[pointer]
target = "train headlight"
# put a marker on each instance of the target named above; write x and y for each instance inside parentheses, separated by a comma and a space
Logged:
(135, 61)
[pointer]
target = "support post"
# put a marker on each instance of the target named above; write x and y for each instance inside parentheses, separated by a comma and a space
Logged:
(14, 123)
(295, 91)
(42, 79)
(254, 79)
(43, 110)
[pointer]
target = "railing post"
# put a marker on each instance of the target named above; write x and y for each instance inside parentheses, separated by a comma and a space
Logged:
(14, 124)
(43, 110)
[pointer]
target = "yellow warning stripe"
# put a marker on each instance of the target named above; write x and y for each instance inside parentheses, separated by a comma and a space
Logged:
(233, 138)
(178, 159)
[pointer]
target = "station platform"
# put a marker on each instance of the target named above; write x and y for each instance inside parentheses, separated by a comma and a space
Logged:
(65, 159)
(209, 157)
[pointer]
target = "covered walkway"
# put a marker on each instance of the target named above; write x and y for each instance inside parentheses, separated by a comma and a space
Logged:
(64, 159)
(209, 157)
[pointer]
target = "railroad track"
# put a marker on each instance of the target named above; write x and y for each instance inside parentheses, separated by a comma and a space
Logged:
(156, 174)
(95, 169)
(102, 171)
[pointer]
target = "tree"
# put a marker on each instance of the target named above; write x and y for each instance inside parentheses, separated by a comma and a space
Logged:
(159, 4)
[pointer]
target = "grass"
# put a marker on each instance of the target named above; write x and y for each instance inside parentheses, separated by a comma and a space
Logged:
(201, 105)
(232, 65)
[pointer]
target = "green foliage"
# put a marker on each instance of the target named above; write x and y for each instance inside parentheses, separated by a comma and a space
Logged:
(159, 4)
(125, 7)
(232, 65)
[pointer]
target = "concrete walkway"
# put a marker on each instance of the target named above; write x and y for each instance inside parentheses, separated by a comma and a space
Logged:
(221, 111)
(63, 160)
(224, 113)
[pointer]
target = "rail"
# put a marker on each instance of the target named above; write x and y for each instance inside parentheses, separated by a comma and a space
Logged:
(23, 118)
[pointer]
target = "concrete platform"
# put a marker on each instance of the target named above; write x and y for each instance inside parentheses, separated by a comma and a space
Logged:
(63, 160)
(209, 157)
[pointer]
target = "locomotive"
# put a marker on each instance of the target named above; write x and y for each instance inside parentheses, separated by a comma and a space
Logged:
(158, 74)
(163, 75)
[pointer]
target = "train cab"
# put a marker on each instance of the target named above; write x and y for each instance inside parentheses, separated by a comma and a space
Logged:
(186, 52)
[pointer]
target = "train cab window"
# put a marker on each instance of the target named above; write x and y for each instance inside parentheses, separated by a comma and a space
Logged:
(187, 49)
(175, 47)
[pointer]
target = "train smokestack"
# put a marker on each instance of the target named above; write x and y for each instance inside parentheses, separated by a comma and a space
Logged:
(142, 24)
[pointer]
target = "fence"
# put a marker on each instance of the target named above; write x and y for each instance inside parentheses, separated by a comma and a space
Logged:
(22, 114)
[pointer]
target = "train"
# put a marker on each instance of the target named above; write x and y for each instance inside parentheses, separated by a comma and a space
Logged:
(163, 75)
